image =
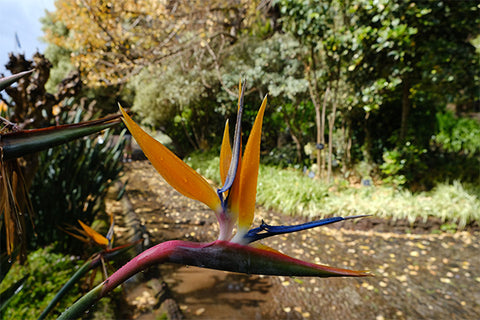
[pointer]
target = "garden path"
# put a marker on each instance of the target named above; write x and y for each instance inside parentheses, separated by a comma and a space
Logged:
(416, 276)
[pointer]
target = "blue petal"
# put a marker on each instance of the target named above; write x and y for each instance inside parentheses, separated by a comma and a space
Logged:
(232, 170)
(265, 230)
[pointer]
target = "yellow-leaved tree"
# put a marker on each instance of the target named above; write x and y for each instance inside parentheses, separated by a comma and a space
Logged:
(111, 40)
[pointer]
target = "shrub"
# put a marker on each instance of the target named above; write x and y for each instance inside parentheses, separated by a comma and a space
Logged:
(404, 165)
(459, 135)
(455, 149)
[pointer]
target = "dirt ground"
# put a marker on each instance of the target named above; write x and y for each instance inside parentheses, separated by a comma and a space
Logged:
(418, 275)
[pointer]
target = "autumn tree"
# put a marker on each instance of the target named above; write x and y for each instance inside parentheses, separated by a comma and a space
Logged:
(110, 41)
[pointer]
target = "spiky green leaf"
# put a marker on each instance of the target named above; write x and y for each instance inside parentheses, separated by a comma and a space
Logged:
(7, 81)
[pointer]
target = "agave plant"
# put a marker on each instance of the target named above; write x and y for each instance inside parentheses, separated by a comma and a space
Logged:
(233, 204)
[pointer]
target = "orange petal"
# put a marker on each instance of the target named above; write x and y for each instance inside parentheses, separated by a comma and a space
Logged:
(225, 154)
(249, 172)
(79, 237)
(97, 237)
(176, 172)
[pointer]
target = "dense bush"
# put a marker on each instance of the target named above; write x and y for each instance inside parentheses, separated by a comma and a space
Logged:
(455, 149)
(453, 154)
(405, 165)
(457, 134)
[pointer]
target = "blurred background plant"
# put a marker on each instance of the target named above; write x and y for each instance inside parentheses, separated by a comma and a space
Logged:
(361, 82)
(95, 162)
(361, 93)
(29, 105)
(91, 165)
(46, 272)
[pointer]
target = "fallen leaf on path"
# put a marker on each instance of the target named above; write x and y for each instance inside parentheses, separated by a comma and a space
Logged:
(198, 312)
(445, 280)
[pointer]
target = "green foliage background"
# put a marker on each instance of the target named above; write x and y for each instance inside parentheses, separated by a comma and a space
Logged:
(390, 68)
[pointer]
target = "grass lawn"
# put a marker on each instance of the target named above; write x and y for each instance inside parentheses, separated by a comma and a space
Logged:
(292, 193)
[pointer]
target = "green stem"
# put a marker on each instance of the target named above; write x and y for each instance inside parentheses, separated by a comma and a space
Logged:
(88, 265)
(83, 304)
(157, 254)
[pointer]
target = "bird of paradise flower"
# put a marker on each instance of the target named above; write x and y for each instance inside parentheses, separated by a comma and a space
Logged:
(100, 258)
(234, 206)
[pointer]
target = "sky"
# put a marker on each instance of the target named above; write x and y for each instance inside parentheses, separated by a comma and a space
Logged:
(21, 17)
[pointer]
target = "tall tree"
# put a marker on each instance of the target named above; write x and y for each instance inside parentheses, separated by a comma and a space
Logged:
(417, 52)
(111, 40)
(324, 28)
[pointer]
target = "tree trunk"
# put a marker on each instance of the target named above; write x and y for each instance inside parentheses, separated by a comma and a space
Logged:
(367, 143)
(348, 152)
(319, 113)
(347, 144)
(321, 165)
(331, 124)
(295, 134)
(405, 110)
(318, 125)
